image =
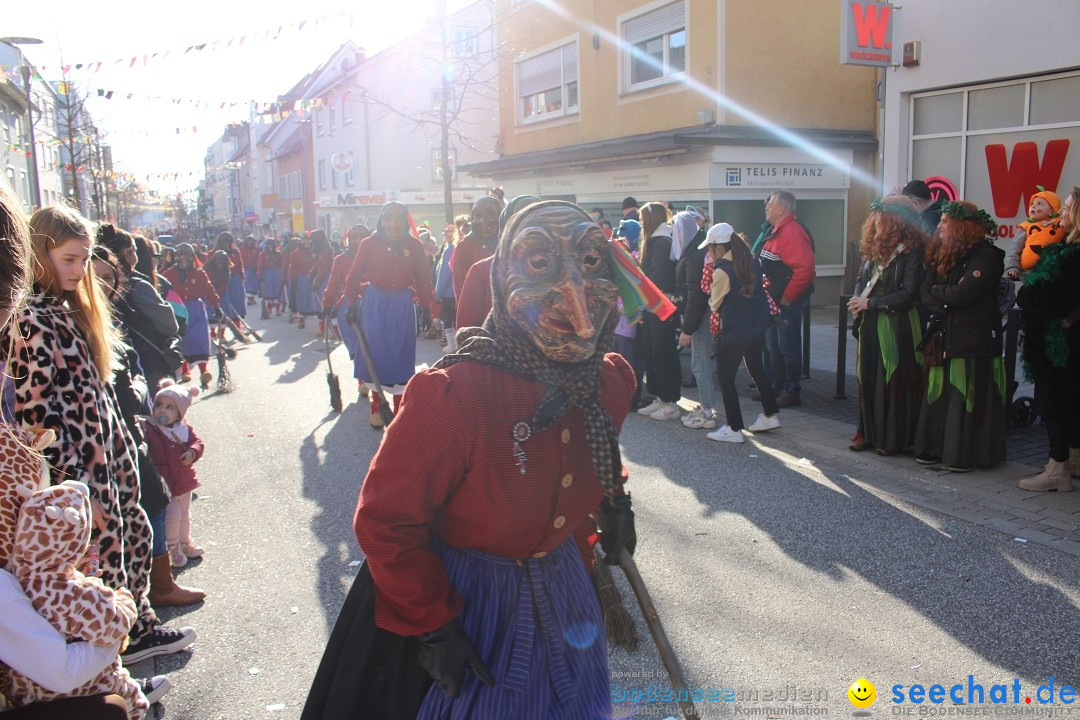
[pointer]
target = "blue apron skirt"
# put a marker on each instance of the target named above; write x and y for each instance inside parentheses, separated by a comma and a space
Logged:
(196, 342)
(271, 284)
(538, 628)
(388, 319)
(348, 335)
(237, 296)
(251, 281)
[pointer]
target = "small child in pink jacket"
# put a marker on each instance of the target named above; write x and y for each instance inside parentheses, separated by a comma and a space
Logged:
(174, 448)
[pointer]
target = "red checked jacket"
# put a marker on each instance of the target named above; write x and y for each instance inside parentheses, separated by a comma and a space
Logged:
(391, 265)
(463, 485)
(196, 286)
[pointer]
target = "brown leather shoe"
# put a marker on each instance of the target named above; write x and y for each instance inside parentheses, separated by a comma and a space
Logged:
(163, 588)
(786, 400)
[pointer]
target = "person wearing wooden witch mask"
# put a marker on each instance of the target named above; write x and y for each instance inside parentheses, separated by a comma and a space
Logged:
(475, 535)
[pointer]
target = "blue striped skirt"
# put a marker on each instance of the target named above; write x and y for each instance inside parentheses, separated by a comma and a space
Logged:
(348, 335)
(389, 322)
(271, 284)
(538, 628)
(196, 342)
(308, 298)
(237, 296)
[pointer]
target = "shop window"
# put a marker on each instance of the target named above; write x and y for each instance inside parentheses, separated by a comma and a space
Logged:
(937, 157)
(1055, 101)
(654, 47)
(939, 114)
(548, 84)
(997, 107)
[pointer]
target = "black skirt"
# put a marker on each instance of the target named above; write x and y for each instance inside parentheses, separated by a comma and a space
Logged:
(366, 672)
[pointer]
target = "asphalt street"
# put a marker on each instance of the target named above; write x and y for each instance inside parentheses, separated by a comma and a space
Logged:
(779, 580)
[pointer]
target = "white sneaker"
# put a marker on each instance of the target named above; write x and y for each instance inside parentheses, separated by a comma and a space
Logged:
(652, 407)
(698, 420)
(667, 411)
(765, 423)
(726, 434)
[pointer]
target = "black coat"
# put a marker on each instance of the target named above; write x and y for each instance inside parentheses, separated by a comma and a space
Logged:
(898, 289)
(658, 265)
(132, 397)
(1045, 301)
(688, 279)
(967, 302)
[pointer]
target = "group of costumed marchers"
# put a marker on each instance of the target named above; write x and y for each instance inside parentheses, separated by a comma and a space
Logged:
(474, 600)
(197, 293)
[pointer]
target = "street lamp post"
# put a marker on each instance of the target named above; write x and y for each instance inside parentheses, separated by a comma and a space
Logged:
(35, 185)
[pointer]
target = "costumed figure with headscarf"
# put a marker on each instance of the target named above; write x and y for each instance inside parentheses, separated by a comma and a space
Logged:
(473, 574)
(237, 299)
(322, 262)
(218, 269)
(198, 294)
(962, 419)
(301, 265)
(390, 268)
(335, 297)
(479, 242)
(249, 255)
(271, 284)
(888, 327)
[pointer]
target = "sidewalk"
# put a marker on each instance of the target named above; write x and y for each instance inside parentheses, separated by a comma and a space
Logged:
(823, 425)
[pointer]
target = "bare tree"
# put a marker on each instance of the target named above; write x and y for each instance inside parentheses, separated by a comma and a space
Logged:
(72, 128)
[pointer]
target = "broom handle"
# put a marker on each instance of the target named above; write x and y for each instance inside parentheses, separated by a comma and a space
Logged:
(384, 410)
(326, 343)
(663, 645)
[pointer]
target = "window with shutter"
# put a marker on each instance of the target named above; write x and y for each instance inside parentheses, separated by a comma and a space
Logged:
(547, 84)
(654, 47)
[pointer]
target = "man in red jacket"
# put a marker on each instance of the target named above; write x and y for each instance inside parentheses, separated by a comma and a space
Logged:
(787, 259)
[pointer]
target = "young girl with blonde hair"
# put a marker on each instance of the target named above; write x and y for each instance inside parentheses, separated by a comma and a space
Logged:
(65, 352)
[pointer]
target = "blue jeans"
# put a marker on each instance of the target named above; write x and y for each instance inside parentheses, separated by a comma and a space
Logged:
(783, 346)
(157, 526)
(701, 343)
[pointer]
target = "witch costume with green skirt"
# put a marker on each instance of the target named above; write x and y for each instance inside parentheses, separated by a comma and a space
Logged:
(962, 418)
(888, 366)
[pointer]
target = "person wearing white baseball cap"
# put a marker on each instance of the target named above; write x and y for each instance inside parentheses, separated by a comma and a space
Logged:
(740, 314)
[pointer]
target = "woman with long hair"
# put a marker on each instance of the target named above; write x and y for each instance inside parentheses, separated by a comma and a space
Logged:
(888, 367)
(962, 419)
(737, 297)
(1050, 301)
(663, 371)
(66, 351)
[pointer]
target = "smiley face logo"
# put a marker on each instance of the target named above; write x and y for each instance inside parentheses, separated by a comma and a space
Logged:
(862, 693)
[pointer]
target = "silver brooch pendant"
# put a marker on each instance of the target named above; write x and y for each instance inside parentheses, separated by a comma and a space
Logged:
(521, 432)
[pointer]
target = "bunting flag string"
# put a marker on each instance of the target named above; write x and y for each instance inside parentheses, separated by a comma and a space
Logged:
(268, 34)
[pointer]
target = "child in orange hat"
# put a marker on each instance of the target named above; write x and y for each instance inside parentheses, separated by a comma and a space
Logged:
(1042, 228)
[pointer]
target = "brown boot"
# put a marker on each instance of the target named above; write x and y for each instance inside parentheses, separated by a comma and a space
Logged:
(1054, 477)
(163, 588)
(1074, 462)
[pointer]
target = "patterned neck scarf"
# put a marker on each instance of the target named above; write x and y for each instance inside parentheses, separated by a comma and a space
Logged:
(503, 344)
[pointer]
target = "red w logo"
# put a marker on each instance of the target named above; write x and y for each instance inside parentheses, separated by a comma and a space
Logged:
(1011, 182)
(871, 24)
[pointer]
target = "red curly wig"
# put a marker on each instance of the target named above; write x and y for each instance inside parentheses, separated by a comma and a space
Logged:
(885, 229)
(953, 238)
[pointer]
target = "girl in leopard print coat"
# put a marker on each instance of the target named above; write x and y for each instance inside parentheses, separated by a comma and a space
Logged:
(61, 368)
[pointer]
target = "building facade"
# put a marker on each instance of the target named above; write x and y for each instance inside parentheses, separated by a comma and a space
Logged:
(713, 103)
(980, 116)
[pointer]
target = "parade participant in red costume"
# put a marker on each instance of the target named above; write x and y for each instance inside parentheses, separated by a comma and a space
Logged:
(194, 288)
(389, 269)
(479, 243)
(301, 263)
(335, 297)
(472, 579)
(249, 254)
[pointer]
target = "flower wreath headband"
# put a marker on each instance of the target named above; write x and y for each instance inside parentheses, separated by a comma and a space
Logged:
(963, 212)
(904, 211)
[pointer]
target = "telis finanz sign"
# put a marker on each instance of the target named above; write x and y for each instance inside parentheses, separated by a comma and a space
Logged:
(866, 31)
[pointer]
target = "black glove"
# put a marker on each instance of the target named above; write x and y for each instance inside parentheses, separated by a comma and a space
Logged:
(350, 315)
(217, 316)
(327, 313)
(445, 653)
(617, 528)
